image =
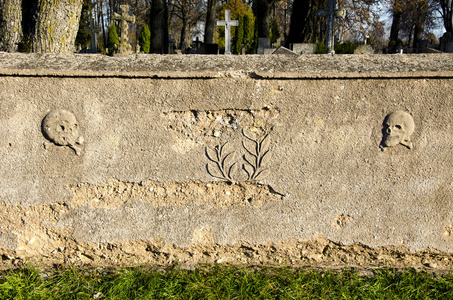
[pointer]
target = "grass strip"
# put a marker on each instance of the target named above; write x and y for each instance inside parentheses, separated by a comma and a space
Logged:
(222, 282)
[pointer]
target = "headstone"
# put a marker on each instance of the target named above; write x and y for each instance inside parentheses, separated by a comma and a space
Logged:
(208, 49)
(124, 47)
(94, 30)
(364, 49)
(197, 43)
(303, 48)
(263, 43)
(227, 23)
(284, 51)
(426, 46)
(446, 42)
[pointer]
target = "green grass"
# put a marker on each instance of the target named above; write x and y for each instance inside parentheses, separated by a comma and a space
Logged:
(222, 283)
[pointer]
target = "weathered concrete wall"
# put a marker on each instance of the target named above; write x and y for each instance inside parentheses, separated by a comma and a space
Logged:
(192, 157)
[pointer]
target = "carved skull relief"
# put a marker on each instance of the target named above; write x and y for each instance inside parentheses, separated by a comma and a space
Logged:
(61, 127)
(397, 129)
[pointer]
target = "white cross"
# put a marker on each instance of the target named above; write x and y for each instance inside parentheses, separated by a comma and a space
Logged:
(227, 23)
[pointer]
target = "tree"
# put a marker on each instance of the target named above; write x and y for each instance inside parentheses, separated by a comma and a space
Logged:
(113, 39)
(39, 25)
(210, 21)
(57, 23)
(245, 33)
(446, 9)
(10, 25)
(264, 17)
(421, 8)
(188, 13)
(84, 35)
(377, 36)
(144, 39)
(306, 26)
(411, 20)
(275, 32)
(394, 30)
(361, 17)
(159, 27)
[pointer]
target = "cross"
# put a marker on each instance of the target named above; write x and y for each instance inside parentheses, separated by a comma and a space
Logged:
(227, 23)
(93, 30)
(331, 14)
(124, 18)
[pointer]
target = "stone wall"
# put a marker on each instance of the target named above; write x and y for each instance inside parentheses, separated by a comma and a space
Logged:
(226, 159)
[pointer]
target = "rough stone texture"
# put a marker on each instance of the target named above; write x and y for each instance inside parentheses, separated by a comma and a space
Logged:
(304, 66)
(227, 159)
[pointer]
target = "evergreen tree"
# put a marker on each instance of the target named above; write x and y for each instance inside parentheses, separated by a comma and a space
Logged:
(275, 32)
(238, 38)
(84, 35)
(144, 39)
(113, 39)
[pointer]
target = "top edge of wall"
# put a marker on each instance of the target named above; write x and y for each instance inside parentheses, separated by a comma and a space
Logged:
(216, 66)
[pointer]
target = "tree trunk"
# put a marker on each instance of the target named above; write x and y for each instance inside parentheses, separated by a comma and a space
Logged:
(210, 21)
(447, 14)
(104, 36)
(56, 26)
(306, 26)
(264, 17)
(183, 44)
(422, 11)
(158, 27)
(10, 25)
(395, 29)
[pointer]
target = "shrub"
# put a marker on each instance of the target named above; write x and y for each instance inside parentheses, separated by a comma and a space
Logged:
(113, 39)
(144, 39)
(320, 48)
(347, 47)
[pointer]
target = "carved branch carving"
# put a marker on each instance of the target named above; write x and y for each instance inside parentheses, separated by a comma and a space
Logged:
(256, 157)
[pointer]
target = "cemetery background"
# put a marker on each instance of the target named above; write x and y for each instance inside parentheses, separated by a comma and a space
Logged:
(147, 173)
(287, 23)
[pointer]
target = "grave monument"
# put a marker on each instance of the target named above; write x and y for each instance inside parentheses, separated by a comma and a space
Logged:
(278, 160)
(331, 13)
(124, 47)
(228, 23)
(446, 42)
(94, 30)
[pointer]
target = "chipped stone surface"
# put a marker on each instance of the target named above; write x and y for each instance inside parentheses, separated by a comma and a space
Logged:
(113, 194)
(244, 160)
(342, 220)
(219, 126)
